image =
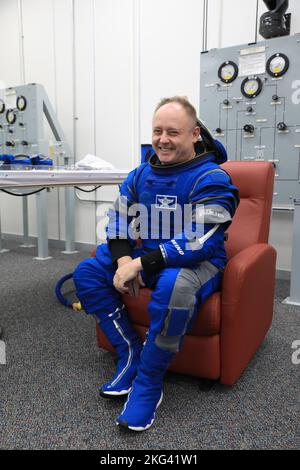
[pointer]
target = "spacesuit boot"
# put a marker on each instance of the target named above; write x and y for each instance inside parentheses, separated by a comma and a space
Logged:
(128, 345)
(146, 394)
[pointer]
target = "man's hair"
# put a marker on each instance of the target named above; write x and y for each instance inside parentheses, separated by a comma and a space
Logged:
(184, 102)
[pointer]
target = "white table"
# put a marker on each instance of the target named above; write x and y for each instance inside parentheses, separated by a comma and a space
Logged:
(32, 179)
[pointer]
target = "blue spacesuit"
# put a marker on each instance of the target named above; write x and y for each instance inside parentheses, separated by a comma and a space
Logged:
(180, 212)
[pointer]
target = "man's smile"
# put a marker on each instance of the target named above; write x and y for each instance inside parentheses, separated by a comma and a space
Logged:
(165, 149)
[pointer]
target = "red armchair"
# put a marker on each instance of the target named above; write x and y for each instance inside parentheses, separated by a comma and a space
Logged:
(232, 323)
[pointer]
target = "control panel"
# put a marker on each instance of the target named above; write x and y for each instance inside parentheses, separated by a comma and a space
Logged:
(250, 101)
(23, 110)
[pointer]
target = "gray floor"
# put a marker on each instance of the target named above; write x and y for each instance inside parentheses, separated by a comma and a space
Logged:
(48, 387)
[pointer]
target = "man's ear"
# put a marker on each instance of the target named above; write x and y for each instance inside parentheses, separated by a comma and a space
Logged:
(196, 133)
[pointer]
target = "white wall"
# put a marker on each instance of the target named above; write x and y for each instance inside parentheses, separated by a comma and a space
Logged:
(170, 45)
(230, 22)
(105, 64)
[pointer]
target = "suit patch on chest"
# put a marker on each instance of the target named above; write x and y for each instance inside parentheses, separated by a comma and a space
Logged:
(163, 201)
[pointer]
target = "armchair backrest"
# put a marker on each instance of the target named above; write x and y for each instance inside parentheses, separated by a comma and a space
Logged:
(251, 223)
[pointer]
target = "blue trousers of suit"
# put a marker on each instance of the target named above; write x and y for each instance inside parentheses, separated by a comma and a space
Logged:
(176, 297)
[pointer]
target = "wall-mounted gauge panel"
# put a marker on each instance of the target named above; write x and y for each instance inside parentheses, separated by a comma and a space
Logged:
(277, 65)
(256, 116)
(251, 87)
(21, 103)
(2, 106)
(11, 116)
(228, 71)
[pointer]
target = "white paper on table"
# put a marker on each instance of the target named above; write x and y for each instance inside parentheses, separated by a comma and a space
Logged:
(93, 163)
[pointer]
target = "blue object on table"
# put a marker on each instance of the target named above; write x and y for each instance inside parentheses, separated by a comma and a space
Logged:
(7, 158)
(39, 160)
(21, 160)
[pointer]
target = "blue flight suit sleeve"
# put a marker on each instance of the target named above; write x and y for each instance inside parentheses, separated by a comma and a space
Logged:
(118, 219)
(213, 203)
(120, 234)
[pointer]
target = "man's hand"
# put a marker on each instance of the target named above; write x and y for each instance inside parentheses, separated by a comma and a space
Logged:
(127, 278)
(124, 260)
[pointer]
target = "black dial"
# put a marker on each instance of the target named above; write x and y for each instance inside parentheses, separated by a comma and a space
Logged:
(228, 71)
(21, 103)
(2, 106)
(251, 87)
(249, 128)
(10, 116)
(277, 65)
(281, 126)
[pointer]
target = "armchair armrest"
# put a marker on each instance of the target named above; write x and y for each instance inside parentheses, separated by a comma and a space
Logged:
(247, 307)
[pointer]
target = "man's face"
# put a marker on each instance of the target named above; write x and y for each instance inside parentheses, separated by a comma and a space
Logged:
(173, 134)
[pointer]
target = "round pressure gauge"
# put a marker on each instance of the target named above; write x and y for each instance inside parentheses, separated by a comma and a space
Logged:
(10, 116)
(228, 71)
(251, 87)
(21, 103)
(2, 106)
(277, 65)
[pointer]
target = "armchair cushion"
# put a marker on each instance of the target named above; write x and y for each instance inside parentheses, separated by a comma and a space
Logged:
(251, 222)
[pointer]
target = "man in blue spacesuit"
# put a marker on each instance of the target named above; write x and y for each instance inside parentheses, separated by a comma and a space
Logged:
(180, 202)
